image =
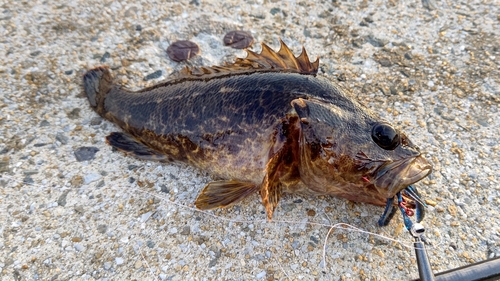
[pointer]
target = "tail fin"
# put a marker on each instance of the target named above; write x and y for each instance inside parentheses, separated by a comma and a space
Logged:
(97, 82)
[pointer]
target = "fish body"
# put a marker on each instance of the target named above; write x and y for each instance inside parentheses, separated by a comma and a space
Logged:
(265, 124)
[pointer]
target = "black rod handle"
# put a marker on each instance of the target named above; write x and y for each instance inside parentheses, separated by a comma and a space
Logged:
(424, 266)
(487, 270)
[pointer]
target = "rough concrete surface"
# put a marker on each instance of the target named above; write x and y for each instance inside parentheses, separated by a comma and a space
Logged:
(72, 209)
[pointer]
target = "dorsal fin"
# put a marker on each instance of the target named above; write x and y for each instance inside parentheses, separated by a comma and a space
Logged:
(266, 60)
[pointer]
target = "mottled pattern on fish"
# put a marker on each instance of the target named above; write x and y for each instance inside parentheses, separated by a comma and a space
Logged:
(265, 123)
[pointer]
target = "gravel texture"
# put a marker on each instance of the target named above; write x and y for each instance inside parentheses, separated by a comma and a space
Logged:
(71, 208)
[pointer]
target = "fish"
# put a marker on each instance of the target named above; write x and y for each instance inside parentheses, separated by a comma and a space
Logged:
(267, 123)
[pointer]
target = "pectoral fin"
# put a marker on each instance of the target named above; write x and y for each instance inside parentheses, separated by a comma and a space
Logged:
(270, 192)
(219, 194)
(131, 146)
(271, 189)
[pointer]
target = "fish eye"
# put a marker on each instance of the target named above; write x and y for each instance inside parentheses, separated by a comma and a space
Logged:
(385, 136)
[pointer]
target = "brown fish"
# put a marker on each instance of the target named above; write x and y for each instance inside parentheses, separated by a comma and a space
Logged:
(264, 124)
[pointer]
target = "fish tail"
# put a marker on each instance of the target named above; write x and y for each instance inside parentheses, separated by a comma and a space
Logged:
(97, 83)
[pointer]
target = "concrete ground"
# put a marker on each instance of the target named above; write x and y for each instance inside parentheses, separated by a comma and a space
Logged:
(431, 68)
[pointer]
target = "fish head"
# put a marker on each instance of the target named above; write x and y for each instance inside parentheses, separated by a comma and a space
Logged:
(347, 151)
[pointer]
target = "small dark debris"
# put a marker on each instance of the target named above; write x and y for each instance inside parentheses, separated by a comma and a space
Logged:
(173, 177)
(342, 77)
(61, 201)
(131, 167)
(102, 228)
(100, 184)
(213, 262)
(150, 244)
(17, 275)
(68, 72)
(274, 11)
(85, 153)
(217, 256)
(28, 180)
(363, 23)
(186, 230)
(96, 121)
(74, 114)
(164, 188)
(105, 57)
(154, 75)
(394, 90)
(131, 180)
(35, 53)
(30, 172)
(39, 144)
(138, 27)
(408, 56)
(298, 201)
(429, 5)
(385, 62)
(314, 239)
(4, 166)
(376, 42)
(79, 209)
(182, 50)
(195, 2)
(307, 32)
(44, 123)
(368, 19)
(61, 138)
(358, 42)
(238, 39)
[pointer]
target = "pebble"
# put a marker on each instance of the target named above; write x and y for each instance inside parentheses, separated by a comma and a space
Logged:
(62, 138)
(61, 201)
(105, 56)
(85, 153)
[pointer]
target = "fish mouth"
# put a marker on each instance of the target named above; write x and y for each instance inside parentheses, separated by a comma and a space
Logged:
(394, 176)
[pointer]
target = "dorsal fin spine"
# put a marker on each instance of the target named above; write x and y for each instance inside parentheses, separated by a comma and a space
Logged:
(266, 60)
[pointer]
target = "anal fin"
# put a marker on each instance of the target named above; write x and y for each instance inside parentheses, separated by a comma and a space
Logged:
(219, 194)
(131, 146)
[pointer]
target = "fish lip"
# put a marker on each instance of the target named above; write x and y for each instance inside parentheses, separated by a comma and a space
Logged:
(394, 176)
